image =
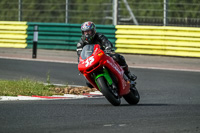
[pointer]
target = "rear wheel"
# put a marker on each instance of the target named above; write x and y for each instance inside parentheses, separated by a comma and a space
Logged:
(110, 94)
(133, 96)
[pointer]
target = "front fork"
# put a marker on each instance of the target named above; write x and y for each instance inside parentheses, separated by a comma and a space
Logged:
(106, 75)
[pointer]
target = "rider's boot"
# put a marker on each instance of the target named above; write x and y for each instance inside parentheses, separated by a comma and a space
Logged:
(129, 74)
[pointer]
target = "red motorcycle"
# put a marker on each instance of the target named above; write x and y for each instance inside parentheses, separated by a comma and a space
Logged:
(105, 74)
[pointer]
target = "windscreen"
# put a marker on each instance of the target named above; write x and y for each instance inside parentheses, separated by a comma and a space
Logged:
(87, 51)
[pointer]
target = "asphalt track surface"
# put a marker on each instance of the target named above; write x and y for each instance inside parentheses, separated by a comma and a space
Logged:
(170, 102)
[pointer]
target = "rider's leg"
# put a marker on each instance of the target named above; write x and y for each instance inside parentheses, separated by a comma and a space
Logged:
(129, 74)
(121, 61)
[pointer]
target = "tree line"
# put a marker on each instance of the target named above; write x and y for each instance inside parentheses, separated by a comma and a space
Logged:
(98, 11)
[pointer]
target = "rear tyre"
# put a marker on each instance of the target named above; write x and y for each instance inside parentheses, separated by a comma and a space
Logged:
(133, 96)
(110, 94)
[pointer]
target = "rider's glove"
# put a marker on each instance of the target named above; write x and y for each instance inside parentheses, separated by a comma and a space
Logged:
(108, 50)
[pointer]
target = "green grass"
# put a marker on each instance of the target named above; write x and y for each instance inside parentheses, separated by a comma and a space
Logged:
(25, 87)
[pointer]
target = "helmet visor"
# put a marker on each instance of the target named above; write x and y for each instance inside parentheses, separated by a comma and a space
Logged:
(89, 32)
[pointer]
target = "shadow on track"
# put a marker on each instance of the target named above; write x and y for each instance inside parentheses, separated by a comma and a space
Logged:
(151, 104)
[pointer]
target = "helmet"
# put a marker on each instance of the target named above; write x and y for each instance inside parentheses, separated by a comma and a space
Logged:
(88, 31)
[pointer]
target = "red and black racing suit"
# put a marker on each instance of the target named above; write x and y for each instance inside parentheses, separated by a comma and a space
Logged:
(106, 45)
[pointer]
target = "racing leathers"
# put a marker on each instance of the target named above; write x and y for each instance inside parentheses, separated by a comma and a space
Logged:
(107, 46)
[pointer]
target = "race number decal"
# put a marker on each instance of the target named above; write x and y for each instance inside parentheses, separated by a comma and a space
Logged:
(89, 61)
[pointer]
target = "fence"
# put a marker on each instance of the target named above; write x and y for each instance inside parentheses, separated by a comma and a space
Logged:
(161, 12)
(157, 12)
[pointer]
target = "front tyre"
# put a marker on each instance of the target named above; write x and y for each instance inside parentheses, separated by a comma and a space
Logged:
(133, 96)
(111, 95)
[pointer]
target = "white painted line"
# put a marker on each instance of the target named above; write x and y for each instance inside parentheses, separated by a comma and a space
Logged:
(15, 98)
(108, 125)
(64, 85)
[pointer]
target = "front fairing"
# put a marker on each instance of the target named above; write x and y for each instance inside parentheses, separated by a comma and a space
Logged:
(90, 58)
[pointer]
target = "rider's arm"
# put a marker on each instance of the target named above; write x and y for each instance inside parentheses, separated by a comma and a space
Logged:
(106, 44)
(79, 48)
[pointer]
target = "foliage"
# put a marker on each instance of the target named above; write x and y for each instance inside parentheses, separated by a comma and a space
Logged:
(84, 10)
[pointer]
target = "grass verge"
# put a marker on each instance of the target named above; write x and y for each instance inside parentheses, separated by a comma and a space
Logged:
(29, 87)
(24, 87)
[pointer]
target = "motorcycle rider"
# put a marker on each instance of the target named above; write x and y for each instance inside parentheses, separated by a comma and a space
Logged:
(90, 36)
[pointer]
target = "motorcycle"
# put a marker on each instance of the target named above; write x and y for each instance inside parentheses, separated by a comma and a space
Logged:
(105, 74)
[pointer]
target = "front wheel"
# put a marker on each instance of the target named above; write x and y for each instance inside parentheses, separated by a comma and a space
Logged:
(133, 96)
(111, 95)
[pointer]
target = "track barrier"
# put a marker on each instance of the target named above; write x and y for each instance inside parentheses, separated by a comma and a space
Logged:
(158, 40)
(62, 35)
(13, 34)
(153, 40)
